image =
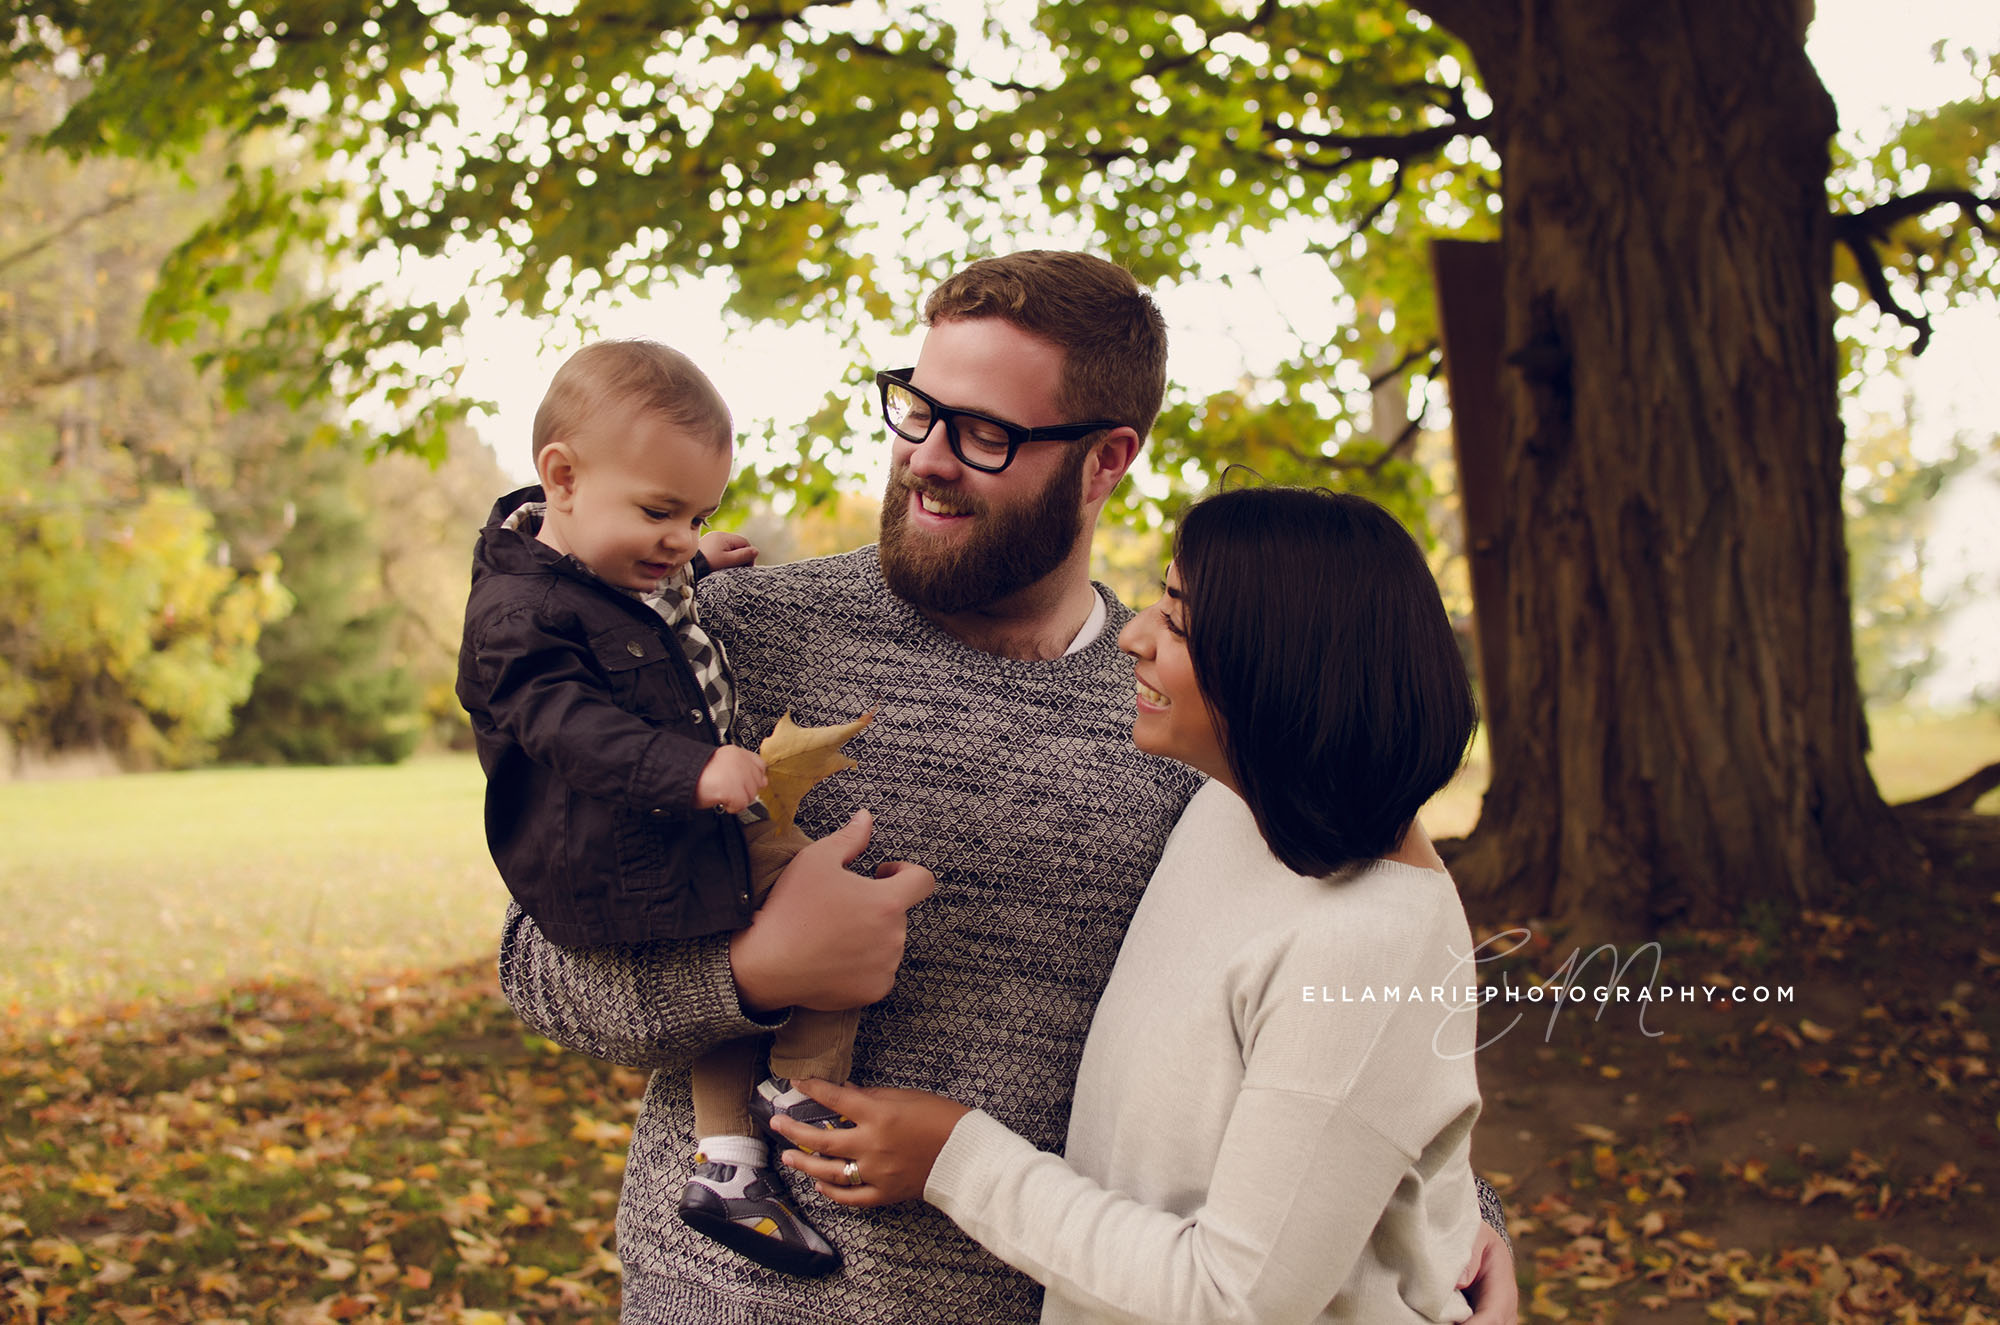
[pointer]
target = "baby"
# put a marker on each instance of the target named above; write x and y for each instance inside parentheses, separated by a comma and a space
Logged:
(616, 808)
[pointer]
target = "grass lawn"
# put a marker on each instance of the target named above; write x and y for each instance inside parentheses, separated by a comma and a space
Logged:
(166, 884)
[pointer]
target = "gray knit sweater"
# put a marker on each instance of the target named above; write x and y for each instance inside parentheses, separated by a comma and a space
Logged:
(1018, 783)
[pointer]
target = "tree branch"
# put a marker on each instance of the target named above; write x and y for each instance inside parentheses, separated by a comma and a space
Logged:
(1862, 245)
(18, 392)
(1861, 232)
(1400, 446)
(1396, 369)
(1374, 213)
(75, 223)
(1879, 220)
(1960, 796)
(1397, 147)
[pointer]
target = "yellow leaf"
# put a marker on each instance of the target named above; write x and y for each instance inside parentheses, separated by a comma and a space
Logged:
(1541, 1304)
(1815, 1032)
(800, 758)
(1819, 1184)
(56, 1251)
(598, 1132)
(220, 1283)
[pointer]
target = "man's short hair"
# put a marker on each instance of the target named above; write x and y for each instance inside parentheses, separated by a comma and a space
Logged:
(642, 375)
(1113, 339)
(1323, 651)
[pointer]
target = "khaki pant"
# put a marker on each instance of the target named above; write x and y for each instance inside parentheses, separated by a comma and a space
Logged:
(811, 1044)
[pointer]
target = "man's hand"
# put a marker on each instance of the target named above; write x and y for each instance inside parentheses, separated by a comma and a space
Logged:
(730, 779)
(1488, 1281)
(826, 937)
(724, 549)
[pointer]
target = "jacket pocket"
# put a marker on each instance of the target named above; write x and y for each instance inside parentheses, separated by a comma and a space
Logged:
(644, 678)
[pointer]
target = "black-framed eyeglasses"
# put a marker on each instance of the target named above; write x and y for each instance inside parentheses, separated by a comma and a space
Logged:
(978, 440)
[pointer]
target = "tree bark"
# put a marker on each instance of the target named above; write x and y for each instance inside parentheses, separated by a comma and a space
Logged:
(1685, 738)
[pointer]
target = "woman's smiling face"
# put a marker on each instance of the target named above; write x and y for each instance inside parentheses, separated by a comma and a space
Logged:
(1172, 720)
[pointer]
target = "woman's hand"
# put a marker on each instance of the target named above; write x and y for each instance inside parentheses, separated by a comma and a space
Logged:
(896, 1137)
(1488, 1281)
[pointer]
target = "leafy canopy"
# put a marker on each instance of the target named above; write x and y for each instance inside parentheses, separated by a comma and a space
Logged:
(836, 157)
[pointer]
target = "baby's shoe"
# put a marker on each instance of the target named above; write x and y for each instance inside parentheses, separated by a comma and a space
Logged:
(747, 1208)
(777, 1095)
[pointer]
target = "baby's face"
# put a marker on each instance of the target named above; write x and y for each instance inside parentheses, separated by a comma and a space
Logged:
(641, 491)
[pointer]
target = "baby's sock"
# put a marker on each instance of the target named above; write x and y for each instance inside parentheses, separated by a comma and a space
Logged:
(745, 1151)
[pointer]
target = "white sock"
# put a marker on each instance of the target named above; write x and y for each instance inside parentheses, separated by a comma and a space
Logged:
(781, 1092)
(745, 1151)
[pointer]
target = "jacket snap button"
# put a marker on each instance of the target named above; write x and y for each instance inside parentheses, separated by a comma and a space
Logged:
(695, 714)
(635, 648)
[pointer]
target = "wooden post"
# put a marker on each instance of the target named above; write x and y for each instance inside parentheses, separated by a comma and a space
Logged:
(1471, 325)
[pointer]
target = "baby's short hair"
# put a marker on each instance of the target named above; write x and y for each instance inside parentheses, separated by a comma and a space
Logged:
(642, 374)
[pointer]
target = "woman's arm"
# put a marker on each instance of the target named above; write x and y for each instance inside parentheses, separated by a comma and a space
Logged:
(1297, 1190)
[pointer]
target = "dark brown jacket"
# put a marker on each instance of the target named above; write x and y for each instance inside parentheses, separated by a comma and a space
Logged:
(593, 733)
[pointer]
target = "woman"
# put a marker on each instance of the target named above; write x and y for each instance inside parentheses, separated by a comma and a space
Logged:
(1274, 1109)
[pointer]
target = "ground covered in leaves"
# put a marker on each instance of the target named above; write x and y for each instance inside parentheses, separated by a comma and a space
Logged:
(1834, 1157)
(407, 1153)
(404, 1153)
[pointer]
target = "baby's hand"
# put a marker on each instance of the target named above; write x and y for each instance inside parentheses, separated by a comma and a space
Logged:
(731, 779)
(724, 549)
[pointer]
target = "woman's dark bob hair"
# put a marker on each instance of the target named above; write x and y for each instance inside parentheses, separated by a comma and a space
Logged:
(1322, 649)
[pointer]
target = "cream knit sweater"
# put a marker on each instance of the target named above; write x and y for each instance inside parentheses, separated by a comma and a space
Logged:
(1259, 1134)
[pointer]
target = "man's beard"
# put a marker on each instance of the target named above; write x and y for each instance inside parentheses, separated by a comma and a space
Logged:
(1006, 552)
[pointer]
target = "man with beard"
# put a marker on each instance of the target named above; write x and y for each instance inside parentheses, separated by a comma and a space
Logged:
(1000, 756)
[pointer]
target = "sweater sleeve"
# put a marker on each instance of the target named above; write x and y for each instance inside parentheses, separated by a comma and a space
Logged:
(649, 1005)
(1295, 1195)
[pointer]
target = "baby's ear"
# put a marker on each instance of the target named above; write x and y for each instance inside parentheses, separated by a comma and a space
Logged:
(556, 467)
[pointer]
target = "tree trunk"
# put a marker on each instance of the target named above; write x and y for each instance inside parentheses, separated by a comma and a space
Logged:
(1685, 736)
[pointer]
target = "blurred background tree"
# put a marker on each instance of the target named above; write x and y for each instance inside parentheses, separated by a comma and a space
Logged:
(194, 566)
